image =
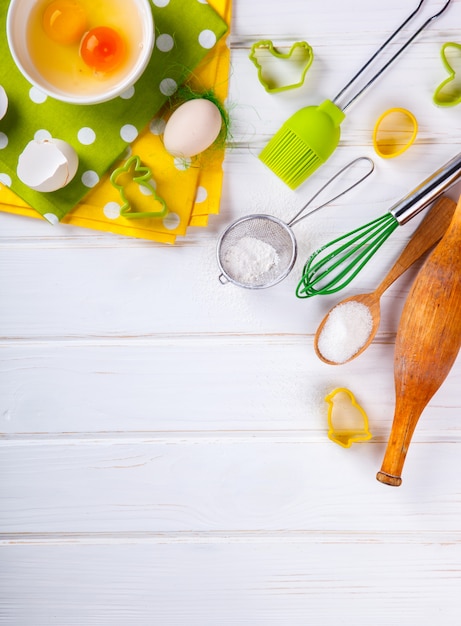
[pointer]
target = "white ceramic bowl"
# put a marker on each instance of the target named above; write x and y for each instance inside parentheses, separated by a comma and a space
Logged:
(17, 25)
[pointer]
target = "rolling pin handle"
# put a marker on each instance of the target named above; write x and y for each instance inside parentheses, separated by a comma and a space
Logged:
(388, 479)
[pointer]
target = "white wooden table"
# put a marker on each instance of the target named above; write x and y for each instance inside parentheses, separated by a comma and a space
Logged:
(164, 453)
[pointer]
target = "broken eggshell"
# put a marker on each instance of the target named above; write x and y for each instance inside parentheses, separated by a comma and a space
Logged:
(192, 128)
(3, 102)
(47, 164)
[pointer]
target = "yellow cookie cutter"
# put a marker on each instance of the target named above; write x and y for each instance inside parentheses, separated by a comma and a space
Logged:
(444, 97)
(129, 176)
(402, 124)
(300, 53)
(347, 421)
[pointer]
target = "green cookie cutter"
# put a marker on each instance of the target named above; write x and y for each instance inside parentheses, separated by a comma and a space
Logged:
(444, 97)
(300, 54)
(132, 174)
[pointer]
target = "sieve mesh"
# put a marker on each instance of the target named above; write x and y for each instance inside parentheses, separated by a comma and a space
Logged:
(257, 251)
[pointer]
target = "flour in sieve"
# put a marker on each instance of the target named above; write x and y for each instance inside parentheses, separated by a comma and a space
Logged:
(249, 258)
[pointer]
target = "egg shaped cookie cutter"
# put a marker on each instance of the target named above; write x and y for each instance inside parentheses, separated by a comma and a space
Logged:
(347, 421)
(394, 132)
(299, 56)
(448, 93)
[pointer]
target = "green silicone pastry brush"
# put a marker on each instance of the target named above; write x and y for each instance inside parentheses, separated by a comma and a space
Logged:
(309, 137)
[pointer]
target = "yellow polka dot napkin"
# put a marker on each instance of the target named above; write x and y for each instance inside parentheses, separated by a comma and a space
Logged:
(191, 188)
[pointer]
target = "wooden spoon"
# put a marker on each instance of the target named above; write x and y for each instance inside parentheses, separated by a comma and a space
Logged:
(427, 344)
(428, 233)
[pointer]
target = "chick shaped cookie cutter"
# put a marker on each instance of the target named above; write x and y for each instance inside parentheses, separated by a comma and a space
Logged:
(444, 96)
(300, 55)
(133, 176)
(347, 421)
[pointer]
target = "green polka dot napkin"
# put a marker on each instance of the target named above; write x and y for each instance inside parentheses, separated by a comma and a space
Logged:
(185, 31)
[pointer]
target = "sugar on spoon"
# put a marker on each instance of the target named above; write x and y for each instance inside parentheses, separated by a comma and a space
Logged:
(366, 307)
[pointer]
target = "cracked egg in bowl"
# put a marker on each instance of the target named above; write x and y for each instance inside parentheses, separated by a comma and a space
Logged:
(81, 51)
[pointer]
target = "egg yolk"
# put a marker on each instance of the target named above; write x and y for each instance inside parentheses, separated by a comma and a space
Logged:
(64, 21)
(103, 49)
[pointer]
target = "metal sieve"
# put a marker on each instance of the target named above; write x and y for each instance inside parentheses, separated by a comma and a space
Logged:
(259, 251)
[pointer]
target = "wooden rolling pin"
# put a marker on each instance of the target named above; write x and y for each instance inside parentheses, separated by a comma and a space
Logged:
(427, 344)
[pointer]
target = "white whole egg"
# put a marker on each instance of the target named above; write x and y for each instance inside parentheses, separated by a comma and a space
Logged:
(47, 164)
(192, 128)
(3, 102)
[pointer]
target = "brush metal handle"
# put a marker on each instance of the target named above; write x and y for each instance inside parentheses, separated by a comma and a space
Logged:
(358, 93)
(428, 191)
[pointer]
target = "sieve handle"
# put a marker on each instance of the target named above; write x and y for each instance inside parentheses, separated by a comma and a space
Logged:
(299, 215)
(428, 191)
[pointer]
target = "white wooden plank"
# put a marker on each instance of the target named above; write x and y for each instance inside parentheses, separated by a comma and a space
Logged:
(205, 585)
(142, 291)
(147, 291)
(266, 383)
(252, 483)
